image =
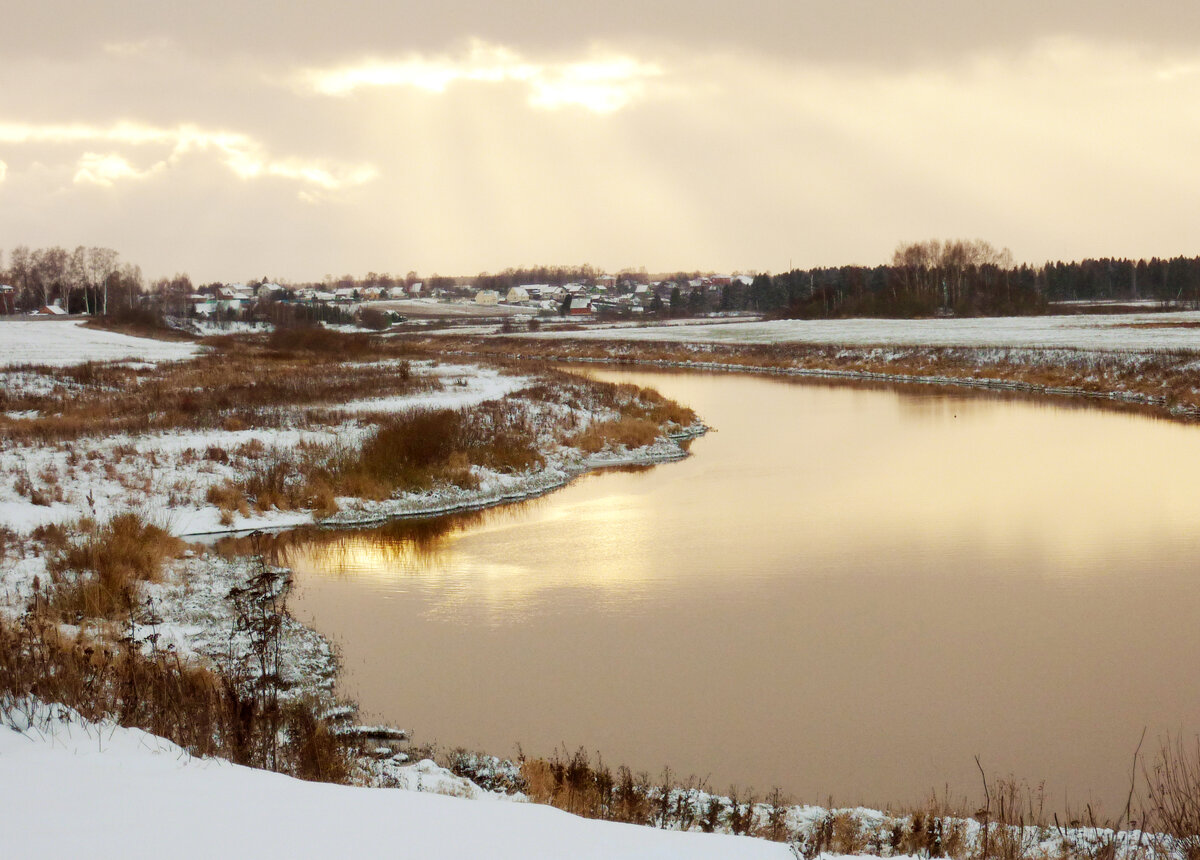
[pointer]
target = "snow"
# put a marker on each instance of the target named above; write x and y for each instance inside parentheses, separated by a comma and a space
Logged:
(1141, 331)
(75, 788)
(467, 385)
(60, 344)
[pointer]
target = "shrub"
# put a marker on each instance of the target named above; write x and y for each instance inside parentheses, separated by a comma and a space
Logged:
(318, 339)
(95, 572)
(630, 432)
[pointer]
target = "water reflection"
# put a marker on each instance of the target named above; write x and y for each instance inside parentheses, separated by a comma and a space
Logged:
(847, 591)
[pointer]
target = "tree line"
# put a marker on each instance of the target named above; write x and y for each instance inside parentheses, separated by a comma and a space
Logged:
(930, 278)
(86, 280)
(960, 278)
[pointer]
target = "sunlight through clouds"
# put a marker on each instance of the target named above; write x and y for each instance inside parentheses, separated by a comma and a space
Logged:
(602, 84)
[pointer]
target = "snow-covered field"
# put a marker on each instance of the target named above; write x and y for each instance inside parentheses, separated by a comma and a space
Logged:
(60, 344)
(73, 788)
(1138, 332)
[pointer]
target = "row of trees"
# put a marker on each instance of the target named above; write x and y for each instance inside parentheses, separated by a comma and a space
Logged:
(964, 278)
(81, 281)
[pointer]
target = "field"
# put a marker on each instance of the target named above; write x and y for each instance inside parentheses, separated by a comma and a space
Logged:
(60, 343)
(1140, 332)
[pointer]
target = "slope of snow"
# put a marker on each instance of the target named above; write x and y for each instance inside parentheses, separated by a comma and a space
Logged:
(66, 343)
(1084, 331)
(72, 788)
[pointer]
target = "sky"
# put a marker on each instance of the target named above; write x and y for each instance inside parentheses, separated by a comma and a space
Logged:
(235, 140)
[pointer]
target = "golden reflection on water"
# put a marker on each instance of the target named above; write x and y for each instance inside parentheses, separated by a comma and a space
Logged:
(847, 591)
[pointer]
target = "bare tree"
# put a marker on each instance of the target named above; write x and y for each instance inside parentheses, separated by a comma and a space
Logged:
(101, 263)
(50, 267)
(77, 275)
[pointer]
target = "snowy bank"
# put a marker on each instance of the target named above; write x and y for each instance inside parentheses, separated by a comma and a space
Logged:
(74, 788)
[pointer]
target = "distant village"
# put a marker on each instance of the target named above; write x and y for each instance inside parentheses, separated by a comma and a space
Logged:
(604, 295)
(52, 282)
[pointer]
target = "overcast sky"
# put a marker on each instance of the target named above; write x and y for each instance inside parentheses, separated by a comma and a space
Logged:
(295, 140)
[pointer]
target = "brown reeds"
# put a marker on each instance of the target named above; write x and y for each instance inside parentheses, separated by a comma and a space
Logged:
(95, 570)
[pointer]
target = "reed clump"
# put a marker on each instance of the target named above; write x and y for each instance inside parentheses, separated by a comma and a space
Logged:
(201, 708)
(96, 570)
(629, 432)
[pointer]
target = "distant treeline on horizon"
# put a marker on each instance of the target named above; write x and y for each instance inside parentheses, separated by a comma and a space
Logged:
(956, 277)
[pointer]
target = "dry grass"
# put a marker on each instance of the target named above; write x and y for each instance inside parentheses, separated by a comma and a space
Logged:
(245, 382)
(630, 432)
(94, 572)
(196, 707)
(1173, 794)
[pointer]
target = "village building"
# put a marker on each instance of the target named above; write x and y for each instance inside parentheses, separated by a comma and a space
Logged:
(487, 297)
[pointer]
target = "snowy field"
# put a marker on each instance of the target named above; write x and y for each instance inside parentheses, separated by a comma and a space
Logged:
(64, 343)
(1135, 332)
(78, 789)
(432, 308)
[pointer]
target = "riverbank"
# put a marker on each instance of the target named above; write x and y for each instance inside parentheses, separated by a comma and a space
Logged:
(1167, 382)
(108, 463)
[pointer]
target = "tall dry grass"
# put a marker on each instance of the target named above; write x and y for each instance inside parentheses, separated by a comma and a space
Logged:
(95, 571)
(197, 707)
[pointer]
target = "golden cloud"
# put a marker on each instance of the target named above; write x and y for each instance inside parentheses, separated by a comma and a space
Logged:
(245, 157)
(601, 84)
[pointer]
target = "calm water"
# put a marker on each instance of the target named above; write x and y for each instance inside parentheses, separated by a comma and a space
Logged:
(845, 592)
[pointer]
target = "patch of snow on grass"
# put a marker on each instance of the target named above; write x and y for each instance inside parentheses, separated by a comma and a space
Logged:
(1084, 331)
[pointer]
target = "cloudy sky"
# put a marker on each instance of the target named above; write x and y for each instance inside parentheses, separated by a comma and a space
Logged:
(233, 140)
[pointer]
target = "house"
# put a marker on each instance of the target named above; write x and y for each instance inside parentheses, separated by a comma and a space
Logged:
(517, 295)
(54, 309)
(578, 306)
(397, 292)
(487, 297)
(8, 299)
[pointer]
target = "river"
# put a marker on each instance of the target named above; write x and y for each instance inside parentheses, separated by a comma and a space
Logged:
(846, 591)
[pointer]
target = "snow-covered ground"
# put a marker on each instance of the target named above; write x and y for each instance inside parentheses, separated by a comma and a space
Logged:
(73, 788)
(1140, 332)
(165, 476)
(64, 343)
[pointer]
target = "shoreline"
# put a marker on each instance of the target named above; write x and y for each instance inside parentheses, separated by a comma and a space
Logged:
(1134, 398)
(1119, 379)
(532, 487)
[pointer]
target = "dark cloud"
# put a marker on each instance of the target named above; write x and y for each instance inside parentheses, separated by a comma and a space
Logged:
(853, 31)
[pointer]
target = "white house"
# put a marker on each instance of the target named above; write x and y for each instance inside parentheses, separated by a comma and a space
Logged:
(517, 295)
(487, 297)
